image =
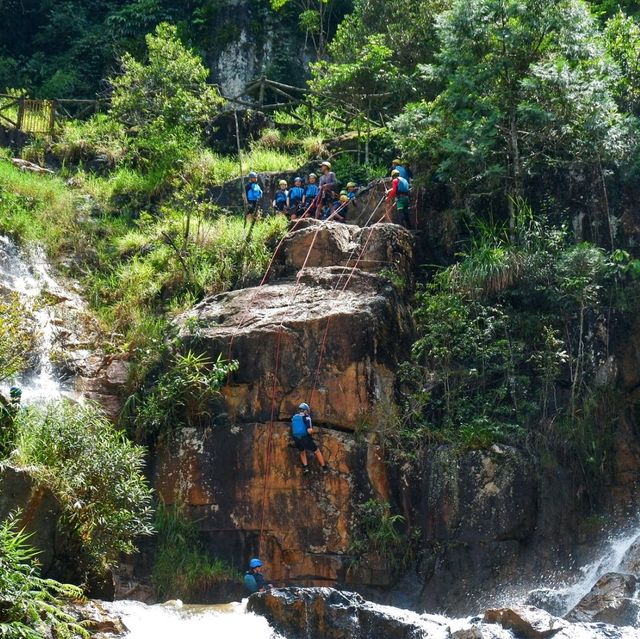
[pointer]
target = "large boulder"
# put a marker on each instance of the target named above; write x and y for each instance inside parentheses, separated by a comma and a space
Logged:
(526, 622)
(382, 247)
(307, 339)
(325, 613)
(240, 479)
(611, 600)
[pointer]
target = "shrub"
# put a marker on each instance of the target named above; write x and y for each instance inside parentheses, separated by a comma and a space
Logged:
(182, 568)
(182, 394)
(94, 471)
(378, 532)
(31, 607)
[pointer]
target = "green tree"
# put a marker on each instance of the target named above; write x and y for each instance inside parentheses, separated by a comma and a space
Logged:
(622, 39)
(526, 92)
(168, 91)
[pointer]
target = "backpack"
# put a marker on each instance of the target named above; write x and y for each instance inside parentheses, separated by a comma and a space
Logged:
(403, 186)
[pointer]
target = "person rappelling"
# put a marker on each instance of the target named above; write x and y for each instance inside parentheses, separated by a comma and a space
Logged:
(301, 431)
(400, 192)
(254, 580)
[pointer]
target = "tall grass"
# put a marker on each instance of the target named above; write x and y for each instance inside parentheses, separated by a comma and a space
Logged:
(182, 568)
(38, 208)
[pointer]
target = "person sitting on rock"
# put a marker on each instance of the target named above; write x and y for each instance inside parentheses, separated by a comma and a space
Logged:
(311, 190)
(280, 197)
(352, 190)
(253, 194)
(337, 212)
(254, 580)
(301, 431)
(296, 195)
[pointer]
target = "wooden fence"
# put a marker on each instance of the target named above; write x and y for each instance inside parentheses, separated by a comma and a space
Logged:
(42, 116)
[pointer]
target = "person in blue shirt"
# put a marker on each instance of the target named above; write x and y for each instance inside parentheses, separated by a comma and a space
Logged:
(253, 194)
(280, 197)
(296, 195)
(311, 190)
(352, 190)
(301, 431)
(396, 165)
(254, 580)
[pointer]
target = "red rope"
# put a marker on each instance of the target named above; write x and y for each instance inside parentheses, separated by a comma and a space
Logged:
(245, 315)
(353, 269)
(273, 392)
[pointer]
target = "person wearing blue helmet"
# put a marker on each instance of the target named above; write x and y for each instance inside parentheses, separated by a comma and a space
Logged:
(254, 580)
(253, 196)
(296, 195)
(301, 431)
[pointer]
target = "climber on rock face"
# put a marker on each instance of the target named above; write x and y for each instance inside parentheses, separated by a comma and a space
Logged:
(301, 430)
(328, 183)
(254, 580)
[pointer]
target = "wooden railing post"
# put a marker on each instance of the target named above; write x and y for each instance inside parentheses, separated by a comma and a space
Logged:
(52, 115)
(20, 112)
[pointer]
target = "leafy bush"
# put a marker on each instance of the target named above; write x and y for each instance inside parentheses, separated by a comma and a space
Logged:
(99, 137)
(377, 532)
(182, 568)
(31, 607)
(94, 471)
(182, 394)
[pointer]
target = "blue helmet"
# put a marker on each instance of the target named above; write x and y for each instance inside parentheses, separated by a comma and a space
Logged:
(297, 179)
(303, 406)
(255, 563)
(253, 174)
(14, 391)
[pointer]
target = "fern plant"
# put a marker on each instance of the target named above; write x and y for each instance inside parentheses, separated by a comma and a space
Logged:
(31, 607)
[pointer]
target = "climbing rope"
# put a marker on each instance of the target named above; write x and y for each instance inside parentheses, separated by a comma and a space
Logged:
(329, 319)
(273, 390)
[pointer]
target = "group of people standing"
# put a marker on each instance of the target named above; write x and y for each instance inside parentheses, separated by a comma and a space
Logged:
(319, 197)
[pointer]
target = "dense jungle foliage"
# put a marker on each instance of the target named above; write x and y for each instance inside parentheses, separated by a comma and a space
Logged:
(519, 119)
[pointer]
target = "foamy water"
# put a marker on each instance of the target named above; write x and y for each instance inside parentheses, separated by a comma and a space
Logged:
(27, 275)
(173, 620)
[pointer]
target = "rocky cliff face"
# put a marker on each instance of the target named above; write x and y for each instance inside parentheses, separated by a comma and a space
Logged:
(330, 334)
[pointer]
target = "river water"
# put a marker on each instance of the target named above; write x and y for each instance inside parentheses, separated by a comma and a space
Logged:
(175, 621)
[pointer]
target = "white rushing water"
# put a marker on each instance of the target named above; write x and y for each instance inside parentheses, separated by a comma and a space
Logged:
(174, 621)
(27, 275)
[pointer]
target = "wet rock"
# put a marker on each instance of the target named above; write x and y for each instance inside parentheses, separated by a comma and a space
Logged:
(630, 563)
(479, 510)
(39, 511)
(324, 613)
(527, 622)
(609, 601)
(93, 616)
(553, 601)
(277, 333)
(220, 473)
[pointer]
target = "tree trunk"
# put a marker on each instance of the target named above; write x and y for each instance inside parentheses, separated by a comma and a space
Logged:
(514, 190)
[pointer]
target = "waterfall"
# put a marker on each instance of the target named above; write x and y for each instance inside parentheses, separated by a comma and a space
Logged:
(26, 274)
